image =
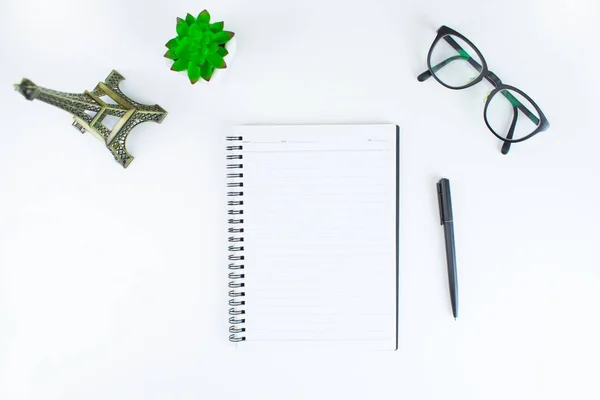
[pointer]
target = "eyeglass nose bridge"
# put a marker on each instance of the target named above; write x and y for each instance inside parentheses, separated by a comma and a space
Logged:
(493, 79)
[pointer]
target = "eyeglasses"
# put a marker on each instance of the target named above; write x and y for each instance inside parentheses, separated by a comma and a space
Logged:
(456, 63)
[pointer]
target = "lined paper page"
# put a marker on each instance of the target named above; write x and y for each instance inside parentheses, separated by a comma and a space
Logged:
(320, 234)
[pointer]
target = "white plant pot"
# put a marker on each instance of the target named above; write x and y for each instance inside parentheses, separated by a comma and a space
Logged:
(218, 74)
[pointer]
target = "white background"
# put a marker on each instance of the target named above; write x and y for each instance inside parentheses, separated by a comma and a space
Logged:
(113, 282)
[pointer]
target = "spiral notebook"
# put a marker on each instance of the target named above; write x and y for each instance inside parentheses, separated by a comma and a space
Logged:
(313, 235)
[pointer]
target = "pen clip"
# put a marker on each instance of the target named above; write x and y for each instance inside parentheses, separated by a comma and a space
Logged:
(440, 202)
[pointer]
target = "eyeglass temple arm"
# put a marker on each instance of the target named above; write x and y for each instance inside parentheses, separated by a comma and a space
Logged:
(511, 131)
(517, 104)
(427, 74)
(491, 77)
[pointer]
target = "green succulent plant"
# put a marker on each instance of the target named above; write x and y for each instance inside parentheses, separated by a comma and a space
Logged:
(199, 46)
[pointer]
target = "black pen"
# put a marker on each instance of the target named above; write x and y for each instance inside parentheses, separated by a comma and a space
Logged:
(446, 219)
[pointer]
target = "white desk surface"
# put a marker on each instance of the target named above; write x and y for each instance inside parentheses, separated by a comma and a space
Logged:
(113, 282)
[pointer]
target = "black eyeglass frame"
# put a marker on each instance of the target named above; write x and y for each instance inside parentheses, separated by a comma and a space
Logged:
(491, 77)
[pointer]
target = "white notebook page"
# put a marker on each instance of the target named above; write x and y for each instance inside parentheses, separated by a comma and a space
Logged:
(320, 234)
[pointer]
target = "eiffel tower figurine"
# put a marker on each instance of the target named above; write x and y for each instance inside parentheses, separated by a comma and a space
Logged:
(90, 109)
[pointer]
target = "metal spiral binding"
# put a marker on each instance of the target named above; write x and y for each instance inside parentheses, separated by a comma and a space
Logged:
(235, 213)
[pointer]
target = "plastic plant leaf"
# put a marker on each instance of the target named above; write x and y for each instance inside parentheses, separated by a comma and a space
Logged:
(190, 19)
(180, 65)
(182, 27)
(212, 47)
(196, 31)
(194, 72)
(204, 16)
(217, 27)
(222, 51)
(201, 58)
(197, 58)
(170, 54)
(223, 37)
(207, 71)
(216, 60)
(171, 43)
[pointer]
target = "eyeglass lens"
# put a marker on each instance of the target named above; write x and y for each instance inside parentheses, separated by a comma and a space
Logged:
(454, 62)
(511, 116)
